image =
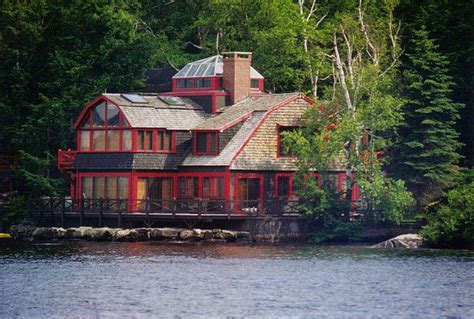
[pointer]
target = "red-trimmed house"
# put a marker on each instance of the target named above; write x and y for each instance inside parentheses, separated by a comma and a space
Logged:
(214, 139)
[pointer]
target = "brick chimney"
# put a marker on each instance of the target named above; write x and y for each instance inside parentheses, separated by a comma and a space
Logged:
(236, 74)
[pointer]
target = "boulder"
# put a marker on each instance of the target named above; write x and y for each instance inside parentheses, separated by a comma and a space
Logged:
(22, 231)
(244, 235)
(165, 233)
(186, 234)
(402, 241)
(225, 234)
(82, 232)
(101, 234)
(198, 234)
(143, 233)
(43, 233)
(59, 232)
(126, 235)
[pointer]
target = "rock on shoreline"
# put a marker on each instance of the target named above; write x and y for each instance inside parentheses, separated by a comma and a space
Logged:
(31, 233)
(403, 241)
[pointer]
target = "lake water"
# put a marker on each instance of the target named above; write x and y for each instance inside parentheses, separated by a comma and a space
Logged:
(95, 280)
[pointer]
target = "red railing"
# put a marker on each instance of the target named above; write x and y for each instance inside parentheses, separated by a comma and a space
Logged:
(65, 159)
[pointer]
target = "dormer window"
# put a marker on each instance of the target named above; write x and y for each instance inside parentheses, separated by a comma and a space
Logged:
(205, 143)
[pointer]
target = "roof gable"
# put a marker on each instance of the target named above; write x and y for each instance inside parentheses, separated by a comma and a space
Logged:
(149, 111)
(243, 109)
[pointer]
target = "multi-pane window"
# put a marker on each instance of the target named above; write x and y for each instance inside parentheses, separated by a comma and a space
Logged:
(154, 192)
(104, 129)
(193, 83)
(145, 140)
(202, 83)
(164, 141)
(155, 140)
(205, 143)
(213, 187)
(283, 186)
(102, 187)
(188, 187)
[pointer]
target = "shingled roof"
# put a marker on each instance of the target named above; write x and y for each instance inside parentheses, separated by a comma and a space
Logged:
(243, 109)
(153, 112)
(225, 157)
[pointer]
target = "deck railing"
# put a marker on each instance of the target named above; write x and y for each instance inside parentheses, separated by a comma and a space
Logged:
(158, 207)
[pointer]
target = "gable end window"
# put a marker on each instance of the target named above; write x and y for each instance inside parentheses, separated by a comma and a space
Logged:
(104, 128)
(206, 143)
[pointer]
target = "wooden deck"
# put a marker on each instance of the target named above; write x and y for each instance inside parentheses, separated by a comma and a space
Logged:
(150, 211)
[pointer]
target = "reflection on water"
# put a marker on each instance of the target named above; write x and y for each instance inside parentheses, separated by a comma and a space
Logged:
(85, 279)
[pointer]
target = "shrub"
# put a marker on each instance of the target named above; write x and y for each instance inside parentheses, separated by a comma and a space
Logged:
(452, 224)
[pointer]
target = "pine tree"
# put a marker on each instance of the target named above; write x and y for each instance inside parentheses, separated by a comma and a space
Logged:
(427, 153)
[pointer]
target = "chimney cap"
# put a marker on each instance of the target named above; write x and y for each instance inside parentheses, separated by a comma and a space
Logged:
(236, 53)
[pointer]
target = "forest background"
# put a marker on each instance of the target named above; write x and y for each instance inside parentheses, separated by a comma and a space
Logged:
(55, 56)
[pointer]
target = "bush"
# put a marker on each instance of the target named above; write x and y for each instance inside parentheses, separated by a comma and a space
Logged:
(452, 224)
(13, 210)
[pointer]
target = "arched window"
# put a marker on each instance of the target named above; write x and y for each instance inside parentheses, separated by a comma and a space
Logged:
(104, 128)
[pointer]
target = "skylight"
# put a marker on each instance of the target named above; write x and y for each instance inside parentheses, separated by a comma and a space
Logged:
(211, 66)
(134, 98)
(172, 100)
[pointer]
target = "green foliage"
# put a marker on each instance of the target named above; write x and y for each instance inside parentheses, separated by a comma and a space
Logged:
(427, 154)
(337, 231)
(31, 177)
(452, 224)
(388, 199)
(13, 210)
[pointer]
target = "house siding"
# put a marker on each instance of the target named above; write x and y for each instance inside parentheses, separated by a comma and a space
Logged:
(260, 153)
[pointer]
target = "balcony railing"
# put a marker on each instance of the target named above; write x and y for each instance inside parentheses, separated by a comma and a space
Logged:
(192, 208)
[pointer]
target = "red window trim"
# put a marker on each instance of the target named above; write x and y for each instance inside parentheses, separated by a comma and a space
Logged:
(236, 188)
(111, 174)
(153, 140)
(290, 186)
(208, 142)
(134, 141)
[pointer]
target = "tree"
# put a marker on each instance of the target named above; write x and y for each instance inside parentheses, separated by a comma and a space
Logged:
(364, 51)
(427, 154)
(55, 58)
(452, 222)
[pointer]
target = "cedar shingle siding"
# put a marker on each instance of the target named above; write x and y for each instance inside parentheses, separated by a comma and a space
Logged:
(260, 153)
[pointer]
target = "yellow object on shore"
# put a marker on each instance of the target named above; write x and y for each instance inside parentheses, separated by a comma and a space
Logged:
(5, 235)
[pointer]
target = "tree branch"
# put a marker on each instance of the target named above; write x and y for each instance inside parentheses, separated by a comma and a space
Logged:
(342, 76)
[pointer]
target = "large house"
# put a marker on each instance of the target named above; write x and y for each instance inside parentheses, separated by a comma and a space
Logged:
(213, 141)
